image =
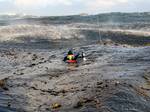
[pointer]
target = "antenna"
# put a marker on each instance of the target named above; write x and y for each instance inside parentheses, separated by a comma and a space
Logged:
(100, 38)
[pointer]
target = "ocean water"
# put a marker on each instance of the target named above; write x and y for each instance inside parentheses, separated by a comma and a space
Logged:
(111, 79)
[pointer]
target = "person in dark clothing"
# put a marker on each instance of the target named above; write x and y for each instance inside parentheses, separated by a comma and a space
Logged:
(71, 57)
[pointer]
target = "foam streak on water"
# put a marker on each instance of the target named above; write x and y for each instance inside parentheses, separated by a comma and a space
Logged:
(42, 73)
(113, 78)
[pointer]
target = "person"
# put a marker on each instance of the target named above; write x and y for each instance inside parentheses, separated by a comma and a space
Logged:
(71, 57)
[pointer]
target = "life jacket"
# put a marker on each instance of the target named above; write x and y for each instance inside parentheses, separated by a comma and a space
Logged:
(71, 59)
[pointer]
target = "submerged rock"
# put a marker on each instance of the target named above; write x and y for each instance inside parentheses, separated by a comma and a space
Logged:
(3, 84)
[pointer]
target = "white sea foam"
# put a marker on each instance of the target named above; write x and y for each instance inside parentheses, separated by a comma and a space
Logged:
(14, 32)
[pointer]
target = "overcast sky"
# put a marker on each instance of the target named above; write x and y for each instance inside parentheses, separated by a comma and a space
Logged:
(69, 7)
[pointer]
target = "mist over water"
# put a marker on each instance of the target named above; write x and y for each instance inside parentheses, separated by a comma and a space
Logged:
(116, 27)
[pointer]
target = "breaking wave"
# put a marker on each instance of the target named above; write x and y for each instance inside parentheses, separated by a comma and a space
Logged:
(19, 32)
